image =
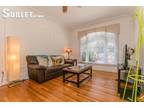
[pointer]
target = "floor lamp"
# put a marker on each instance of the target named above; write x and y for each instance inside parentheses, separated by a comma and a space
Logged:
(12, 60)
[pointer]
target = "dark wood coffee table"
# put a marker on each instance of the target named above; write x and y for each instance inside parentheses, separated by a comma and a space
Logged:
(77, 71)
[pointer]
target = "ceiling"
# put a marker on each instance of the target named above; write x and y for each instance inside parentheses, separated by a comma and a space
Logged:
(77, 16)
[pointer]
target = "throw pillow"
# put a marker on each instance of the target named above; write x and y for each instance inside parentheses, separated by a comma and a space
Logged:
(57, 60)
(42, 61)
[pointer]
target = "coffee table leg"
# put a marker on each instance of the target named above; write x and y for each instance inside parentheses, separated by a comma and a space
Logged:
(78, 80)
(63, 76)
(91, 72)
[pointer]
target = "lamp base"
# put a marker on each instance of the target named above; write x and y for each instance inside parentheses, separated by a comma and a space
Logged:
(15, 83)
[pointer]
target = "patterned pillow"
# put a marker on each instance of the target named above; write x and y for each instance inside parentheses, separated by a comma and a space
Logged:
(57, 60)
(42, 61)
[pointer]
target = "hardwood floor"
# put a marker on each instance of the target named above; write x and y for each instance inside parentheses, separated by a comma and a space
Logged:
(102, 87)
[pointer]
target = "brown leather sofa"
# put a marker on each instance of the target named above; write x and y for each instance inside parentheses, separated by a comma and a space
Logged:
(40, 73)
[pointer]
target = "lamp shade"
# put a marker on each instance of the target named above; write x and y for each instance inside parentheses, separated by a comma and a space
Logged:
(68, 50)
(12, 58)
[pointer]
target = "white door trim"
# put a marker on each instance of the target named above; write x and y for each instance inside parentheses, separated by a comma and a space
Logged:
(2, 58)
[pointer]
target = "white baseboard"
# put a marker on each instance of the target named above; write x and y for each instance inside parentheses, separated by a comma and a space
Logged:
(105, 68)
(3, 83)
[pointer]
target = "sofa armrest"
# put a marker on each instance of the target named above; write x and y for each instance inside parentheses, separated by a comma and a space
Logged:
(37, 73)
(71, 61)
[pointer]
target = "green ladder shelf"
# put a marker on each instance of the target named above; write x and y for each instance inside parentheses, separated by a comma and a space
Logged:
(137, 79)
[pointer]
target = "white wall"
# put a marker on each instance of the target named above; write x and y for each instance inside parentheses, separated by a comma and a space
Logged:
(37, 36)
(126, 36)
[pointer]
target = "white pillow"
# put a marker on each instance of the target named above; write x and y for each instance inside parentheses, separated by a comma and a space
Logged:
(50, 63)
(42, 61)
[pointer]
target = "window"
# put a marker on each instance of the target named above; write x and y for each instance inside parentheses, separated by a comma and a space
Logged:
(99, 47)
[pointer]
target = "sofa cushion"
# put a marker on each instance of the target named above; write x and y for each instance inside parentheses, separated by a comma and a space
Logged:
(43, 61)
(57, 60)
(57, 68)
(54, 68)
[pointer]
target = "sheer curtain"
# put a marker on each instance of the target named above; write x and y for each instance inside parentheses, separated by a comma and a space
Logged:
(100, 47)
